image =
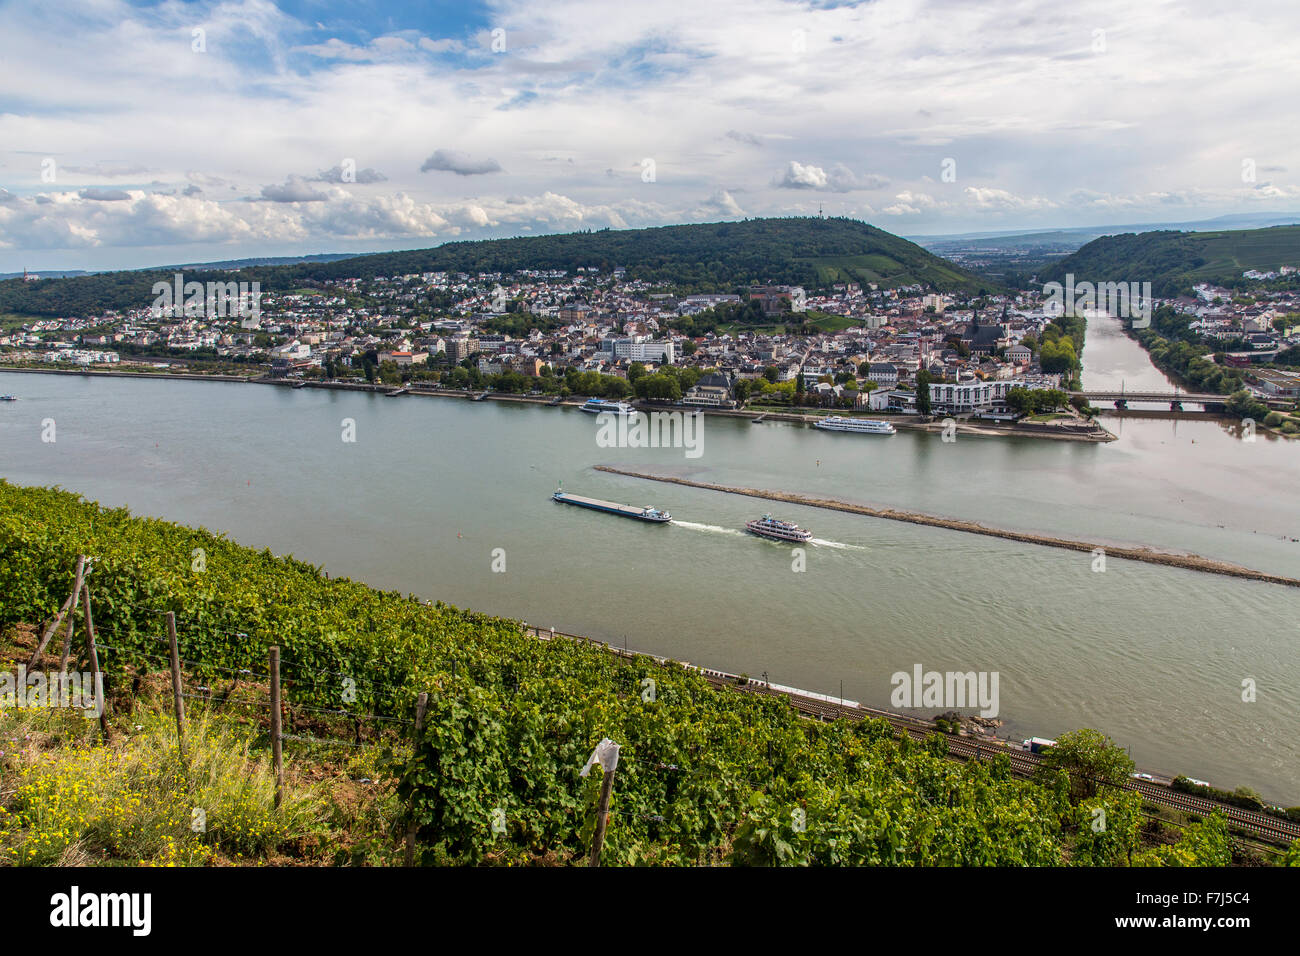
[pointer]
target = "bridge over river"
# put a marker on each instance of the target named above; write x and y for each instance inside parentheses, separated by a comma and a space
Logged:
(1175, 399)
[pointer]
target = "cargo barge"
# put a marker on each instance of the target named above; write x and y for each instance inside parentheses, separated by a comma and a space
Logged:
(627, 511)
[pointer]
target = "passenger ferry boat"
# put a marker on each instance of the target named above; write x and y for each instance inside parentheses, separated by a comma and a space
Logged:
(598, 405)
(864, 426)
(769, 527)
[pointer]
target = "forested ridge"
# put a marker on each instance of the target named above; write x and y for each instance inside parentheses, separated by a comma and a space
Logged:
(706, 257)
(1175, 261)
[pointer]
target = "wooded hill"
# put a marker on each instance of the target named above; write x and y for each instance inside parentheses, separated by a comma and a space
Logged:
(1174, 261)
(721, 256)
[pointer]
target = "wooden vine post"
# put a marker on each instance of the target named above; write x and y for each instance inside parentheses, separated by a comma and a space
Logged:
(96, 675)
(69, 604)
(602, 817)
(176, 683)
(277, 743)
(421, 703)
(606, 755)
(67, 637)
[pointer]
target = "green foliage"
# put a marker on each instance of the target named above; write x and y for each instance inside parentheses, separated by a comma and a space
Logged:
(511, 718)
(1092, 763)
(132, 803)
(923, 811)
(517, 325)
(659, 387)
(1242, 404)
(705, 776)
(699, 257)
(923, 392)
(1106, 829)
(1176, 349)
(1203, 843)
(1034, 401)
(1174, 261)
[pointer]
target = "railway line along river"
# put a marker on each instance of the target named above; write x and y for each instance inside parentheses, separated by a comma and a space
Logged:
(434, 494)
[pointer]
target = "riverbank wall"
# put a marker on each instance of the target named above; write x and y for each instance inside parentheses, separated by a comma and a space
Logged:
(1065, 432)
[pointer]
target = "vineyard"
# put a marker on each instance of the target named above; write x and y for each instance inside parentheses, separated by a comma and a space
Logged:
(704, 776)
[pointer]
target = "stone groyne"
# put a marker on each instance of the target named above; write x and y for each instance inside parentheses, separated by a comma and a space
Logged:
(1190, 562)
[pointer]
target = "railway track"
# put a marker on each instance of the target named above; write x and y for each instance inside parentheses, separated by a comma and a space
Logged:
(1260, 825)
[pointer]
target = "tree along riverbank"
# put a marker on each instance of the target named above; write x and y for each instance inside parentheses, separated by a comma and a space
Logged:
(1190, 562)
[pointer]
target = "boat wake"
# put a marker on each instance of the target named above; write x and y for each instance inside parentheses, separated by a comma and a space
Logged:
(838, 545)
(719, 529)
(710, 528)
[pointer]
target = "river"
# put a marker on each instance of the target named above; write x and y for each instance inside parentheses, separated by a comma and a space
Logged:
(431, 488)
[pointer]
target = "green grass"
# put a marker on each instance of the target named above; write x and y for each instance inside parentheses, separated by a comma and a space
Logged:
(822, 321)
(1172, 260)
(1235, 251)
(73, 802)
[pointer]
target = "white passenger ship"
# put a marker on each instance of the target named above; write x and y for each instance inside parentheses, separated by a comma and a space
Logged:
(769, 527)
(599, 405)
(865, 426)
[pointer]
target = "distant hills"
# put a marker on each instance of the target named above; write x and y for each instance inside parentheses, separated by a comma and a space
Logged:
(48, 274)
(1074, 237)
(264, 261)
(1174, 261)
(796, 251)
(1017, 258)
(812, 252)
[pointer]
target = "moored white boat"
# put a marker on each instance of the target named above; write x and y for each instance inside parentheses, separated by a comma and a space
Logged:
(599, 405)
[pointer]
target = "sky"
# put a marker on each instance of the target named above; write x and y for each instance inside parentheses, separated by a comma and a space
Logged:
(136, 134)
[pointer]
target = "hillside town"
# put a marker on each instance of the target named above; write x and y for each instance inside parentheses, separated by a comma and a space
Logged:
(847, 346)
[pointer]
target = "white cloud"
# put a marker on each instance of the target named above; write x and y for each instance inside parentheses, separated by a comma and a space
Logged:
(294, 190)
(798, 176)
(462, 164)
(107, 170)
(720, 205)
(840, 179)
(363, 177)
(96, 194)
(157, 219)
(441, 45)
(991, 198)
(1044, 131)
